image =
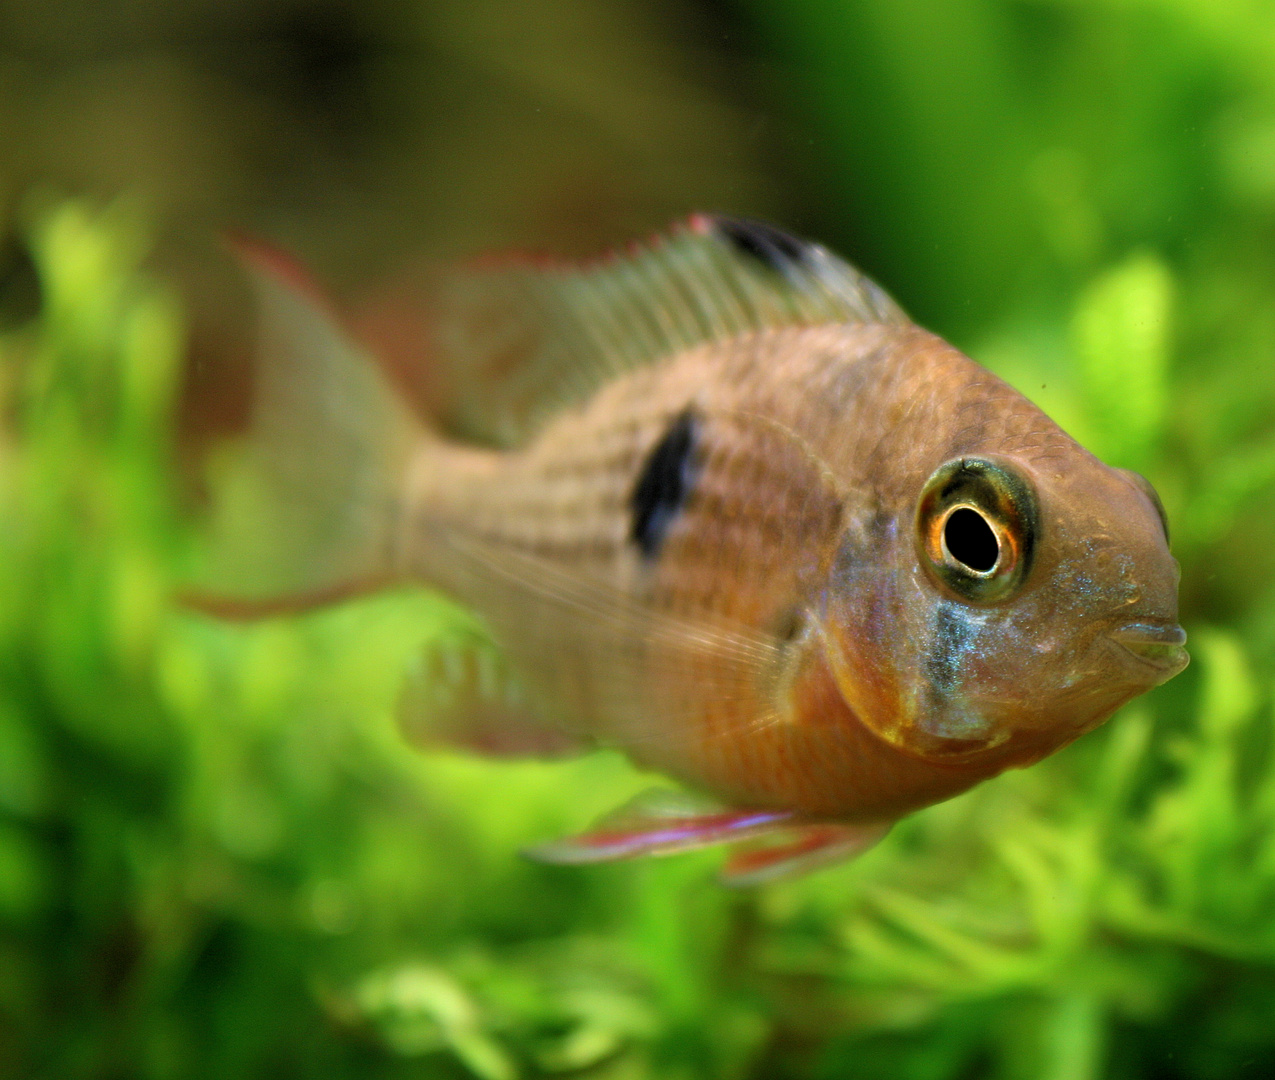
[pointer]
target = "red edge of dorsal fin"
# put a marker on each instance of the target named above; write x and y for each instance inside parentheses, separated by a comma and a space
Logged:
(274, 261)
(699, 223)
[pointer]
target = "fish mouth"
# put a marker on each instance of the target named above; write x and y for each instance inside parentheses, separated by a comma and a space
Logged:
(1157, 646)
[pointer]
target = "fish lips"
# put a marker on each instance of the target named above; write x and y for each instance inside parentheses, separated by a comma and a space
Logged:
(1157, 649)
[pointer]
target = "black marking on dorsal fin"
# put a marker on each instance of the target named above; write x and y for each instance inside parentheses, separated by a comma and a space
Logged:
(665, 483)
(512, 344)
(773, 248)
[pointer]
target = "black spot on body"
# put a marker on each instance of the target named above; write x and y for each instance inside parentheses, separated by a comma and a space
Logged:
(664, 484)
(773, 248)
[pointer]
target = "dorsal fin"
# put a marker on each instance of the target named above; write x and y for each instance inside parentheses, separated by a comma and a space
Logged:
(512, 343)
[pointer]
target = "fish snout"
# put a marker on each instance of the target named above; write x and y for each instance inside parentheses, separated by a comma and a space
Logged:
(1157, 647)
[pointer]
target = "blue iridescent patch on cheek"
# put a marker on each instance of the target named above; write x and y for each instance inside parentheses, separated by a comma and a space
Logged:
(951, 638)
(942, 707)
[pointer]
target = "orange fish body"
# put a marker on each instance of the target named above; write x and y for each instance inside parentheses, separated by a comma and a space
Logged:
(721, 504)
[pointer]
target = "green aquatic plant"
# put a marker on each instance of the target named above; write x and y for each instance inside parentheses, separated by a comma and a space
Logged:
(218, 858)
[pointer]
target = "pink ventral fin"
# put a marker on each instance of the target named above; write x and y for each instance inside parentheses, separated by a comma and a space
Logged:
(661, 822)
(799, 850)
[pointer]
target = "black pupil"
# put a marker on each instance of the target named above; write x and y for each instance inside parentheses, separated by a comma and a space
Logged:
(970, 540)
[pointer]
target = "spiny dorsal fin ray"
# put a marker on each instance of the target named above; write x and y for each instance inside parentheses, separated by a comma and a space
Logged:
(513, 344)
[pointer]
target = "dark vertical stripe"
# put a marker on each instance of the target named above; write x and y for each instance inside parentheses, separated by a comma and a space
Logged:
(664, 484)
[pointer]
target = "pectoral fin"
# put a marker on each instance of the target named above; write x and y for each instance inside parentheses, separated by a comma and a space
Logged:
(464, 695)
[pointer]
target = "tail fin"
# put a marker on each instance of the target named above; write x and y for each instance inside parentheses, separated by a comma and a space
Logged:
(309, 509)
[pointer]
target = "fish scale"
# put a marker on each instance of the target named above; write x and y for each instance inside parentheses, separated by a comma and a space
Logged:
(735, 518)
(711, 501)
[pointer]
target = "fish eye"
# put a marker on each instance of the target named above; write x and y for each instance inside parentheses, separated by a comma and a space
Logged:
(977, 526)
(969, 539)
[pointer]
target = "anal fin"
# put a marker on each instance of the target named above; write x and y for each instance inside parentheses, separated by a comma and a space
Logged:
(464, 695)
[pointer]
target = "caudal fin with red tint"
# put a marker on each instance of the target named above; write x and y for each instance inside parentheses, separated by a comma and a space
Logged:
(307, 510)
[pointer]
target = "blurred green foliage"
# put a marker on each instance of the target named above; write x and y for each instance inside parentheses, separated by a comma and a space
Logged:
(217, 858)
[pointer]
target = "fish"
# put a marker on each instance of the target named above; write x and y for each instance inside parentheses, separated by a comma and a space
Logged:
(716, 501)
